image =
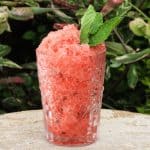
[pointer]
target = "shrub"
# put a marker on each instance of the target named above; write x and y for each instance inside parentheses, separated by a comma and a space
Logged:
(24, 23)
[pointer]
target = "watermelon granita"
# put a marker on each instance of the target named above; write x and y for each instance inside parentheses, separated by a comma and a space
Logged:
(71, 77)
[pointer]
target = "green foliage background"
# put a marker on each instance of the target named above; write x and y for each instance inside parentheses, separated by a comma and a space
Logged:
(23, 24)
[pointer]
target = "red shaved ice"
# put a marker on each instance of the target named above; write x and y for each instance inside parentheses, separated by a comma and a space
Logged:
(71, 77)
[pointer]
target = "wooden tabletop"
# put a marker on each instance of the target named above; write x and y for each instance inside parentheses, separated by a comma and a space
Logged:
(119, 130)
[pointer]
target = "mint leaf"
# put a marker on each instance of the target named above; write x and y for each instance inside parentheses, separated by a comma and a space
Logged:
(90, 23)
(97, 22)
(86, 22)
(104, 31)
(93, 30)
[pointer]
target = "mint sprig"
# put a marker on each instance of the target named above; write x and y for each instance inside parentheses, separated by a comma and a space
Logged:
(93, 30)
(86, 22)
(98, 21)
(104, 31)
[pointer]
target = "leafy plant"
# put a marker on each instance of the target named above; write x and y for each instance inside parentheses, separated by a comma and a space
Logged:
(24, 23)
(4, 50)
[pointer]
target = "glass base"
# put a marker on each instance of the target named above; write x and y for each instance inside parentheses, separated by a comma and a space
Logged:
(70, 142)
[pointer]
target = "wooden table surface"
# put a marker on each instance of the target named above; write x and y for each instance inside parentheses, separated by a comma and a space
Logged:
(119, 130)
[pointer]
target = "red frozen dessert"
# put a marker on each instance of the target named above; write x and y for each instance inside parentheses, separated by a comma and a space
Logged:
(71, 77)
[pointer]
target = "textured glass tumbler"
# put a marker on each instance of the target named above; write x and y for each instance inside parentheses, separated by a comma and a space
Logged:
(71, 88)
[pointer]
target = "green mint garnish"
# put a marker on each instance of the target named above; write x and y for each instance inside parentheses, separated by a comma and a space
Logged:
(93, 30)
(104, 31)
(86, 22)
(98, 21)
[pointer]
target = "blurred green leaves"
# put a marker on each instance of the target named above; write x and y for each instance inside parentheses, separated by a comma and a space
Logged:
(145, 109)
(25, 13)
(4, 50)
(8, 63)
(131, 57)
(29, 35)
(140, 28)
(116, 49)
(4, 25)
(127, 76)
(31, 65)
(32, 3)
(132, 76)
(21, 13)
